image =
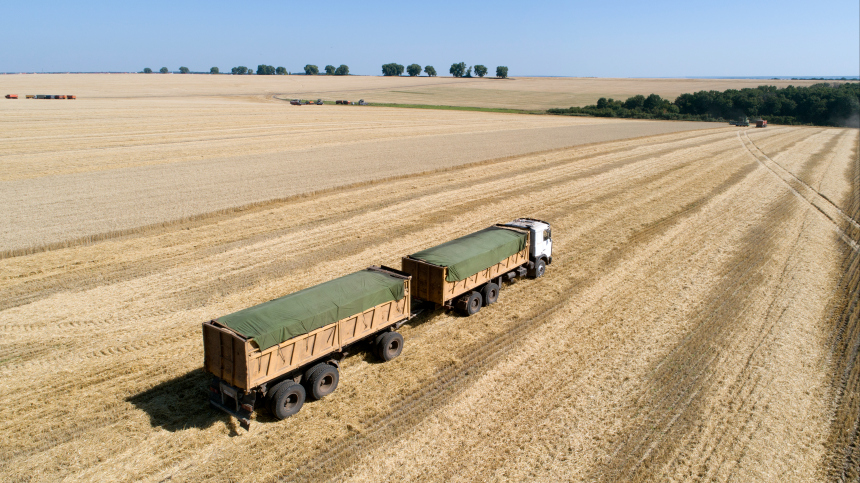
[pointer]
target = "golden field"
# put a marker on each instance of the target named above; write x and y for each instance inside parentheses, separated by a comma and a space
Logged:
(516, 92)
(699, 320)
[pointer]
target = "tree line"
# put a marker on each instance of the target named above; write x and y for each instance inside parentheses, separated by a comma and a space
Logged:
(824, 104)
(457, 70)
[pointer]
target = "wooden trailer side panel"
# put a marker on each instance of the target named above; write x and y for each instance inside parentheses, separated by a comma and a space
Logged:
(430, 284)
(455, 289)
(289, 355)
(226, 354)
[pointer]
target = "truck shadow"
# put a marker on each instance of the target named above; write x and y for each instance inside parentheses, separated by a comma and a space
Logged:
(182, 403)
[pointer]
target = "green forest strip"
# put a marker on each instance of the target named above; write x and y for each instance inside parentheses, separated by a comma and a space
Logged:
(825, 104)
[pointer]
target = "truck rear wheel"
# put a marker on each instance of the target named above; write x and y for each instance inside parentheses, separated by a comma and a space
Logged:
(287, 400)
(388, 346)
(490, 293)
(321, 380)
(470, 303)
(539, 269)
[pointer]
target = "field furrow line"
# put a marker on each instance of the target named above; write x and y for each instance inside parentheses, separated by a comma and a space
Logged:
(476, 362)
(688, 367)
(819, 202)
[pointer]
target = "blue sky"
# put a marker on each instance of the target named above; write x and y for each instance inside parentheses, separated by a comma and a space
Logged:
(603, 39)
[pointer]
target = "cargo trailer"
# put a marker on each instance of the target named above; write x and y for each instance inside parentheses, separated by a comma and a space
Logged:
(280, 352)
(11, 96)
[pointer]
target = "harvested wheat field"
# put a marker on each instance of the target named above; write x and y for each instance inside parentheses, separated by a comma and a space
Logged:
(699, 320)
(516, 93)
(98, 167)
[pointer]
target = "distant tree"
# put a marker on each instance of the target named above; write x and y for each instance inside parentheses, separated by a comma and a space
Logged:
(458, 70)
(430, 71)
(311, 70)
(147, 70)
(184, 70)
(329, 70)
(281, 71)
(635, 102)
(480, 70)
(413, 70)
(264, 69)
(342, 70)
(392, 69)
(241, 70)
(214, 70)
(502, 72)
(164, 70)
(468, 72)
(653, 102)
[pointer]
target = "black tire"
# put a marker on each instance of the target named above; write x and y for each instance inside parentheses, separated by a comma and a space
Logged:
(321, 380)
(287, 399)
(490, 293)
(473, 303)
(539, 269)
(388, 346)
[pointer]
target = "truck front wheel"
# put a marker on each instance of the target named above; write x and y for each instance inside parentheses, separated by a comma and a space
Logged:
(539, 269)
(321, 380)
(388, 346)
(287, 400)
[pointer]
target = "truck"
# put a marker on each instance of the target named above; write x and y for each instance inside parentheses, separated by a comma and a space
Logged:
(760, 123)
(467, 273)
(279, 353)
(741, 122)
(11, 96)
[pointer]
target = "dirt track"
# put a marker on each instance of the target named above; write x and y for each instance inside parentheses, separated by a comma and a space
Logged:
(700, 321)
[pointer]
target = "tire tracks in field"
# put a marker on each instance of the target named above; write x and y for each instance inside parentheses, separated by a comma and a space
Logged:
(675, 392)
(843, 442)
(452, 380)
(833, 213)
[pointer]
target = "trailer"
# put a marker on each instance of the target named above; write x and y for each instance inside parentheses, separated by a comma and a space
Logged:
(467, 273)
(760, 123)
(71, 97)
(11, 96)
(280, 352)
(30, 96)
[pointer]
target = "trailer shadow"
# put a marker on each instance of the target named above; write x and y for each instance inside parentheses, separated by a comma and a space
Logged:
(182, 403)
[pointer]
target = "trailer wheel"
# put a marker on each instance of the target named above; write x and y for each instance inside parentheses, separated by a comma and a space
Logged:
(490, 293)
(539, 269)
(389, 345)
(321, 380)
(287, 400)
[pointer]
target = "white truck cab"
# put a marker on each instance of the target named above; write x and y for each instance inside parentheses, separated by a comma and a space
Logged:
(540, 251)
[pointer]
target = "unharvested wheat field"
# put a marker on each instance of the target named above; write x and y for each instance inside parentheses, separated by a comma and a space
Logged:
(699, 322)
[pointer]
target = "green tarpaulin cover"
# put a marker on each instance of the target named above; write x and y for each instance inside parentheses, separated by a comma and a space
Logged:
(298, 313)
(470, 254)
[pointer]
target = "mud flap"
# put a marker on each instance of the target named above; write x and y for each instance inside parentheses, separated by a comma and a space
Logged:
(234, 402)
